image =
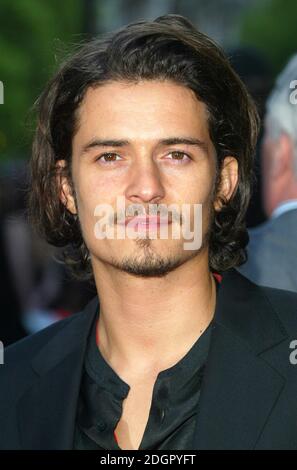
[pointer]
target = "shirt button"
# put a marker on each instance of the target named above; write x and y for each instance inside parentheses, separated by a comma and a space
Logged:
(101, 426)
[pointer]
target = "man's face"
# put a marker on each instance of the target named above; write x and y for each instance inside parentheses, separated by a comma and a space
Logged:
(142, 170)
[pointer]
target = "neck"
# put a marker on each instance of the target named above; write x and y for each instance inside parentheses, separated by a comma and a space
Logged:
(150, 323)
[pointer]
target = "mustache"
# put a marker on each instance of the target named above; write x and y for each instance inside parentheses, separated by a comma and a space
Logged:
(136, 210)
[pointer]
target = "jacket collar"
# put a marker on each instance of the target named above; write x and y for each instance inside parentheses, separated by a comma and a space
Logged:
(51, 402)
(244, 310)
(240, 387)
(72, 337)
(238, 391)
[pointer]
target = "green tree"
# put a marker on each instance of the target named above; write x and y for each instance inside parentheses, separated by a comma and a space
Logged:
(31, 31)
(271, 27)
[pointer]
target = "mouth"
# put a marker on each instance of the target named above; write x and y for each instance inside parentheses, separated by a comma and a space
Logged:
(145, 222)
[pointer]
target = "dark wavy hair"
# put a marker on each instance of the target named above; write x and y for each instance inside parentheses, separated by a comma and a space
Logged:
(170, 47)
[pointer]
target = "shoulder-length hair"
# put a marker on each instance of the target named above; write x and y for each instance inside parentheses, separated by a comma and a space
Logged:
(168, 48)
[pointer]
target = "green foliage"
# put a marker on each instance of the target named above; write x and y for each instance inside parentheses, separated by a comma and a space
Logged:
(271, 27)
(31, 31)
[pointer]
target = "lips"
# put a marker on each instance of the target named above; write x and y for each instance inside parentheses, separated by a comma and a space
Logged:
(145, 221)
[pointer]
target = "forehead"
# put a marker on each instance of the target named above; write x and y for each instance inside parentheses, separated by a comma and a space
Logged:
(150, 108)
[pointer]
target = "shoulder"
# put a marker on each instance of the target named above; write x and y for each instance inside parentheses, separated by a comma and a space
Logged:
(29, 345)
(16, 373)
(281, 225)
(284, 303)
(36, 355)
(261, 303)
(56, 339)
(17, 356)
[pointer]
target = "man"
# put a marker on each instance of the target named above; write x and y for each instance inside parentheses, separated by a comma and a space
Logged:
(152, 115)
(272, 247)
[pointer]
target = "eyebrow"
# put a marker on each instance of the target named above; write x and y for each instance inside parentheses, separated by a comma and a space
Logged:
(160, 143)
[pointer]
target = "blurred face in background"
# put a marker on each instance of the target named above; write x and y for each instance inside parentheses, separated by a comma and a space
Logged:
(278, 172)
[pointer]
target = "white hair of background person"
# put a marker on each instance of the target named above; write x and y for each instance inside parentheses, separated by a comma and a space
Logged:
(281, 106)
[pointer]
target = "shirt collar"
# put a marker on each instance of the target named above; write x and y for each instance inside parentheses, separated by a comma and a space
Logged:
(174, 377)
(283, 207)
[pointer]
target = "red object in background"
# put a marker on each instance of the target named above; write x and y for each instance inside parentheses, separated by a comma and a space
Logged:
(62, 313)
(218, 277)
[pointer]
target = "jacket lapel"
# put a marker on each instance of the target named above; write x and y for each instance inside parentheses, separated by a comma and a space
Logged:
(51, 402)
(239, 388)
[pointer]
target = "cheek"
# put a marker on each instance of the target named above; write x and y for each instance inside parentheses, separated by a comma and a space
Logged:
(266, 152)
(87, 197)
(92, 190)
(193, 186)
(205, 194)
(200, 185)
(199, 189)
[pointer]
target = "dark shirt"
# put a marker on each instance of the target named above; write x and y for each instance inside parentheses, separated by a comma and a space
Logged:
(174, 406)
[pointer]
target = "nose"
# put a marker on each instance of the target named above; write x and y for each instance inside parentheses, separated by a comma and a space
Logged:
(145, 184)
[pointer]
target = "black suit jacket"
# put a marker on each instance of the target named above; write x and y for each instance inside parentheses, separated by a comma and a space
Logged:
(249, 392)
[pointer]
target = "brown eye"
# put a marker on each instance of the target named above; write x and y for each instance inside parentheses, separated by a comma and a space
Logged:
(179, 156)
(108, 157)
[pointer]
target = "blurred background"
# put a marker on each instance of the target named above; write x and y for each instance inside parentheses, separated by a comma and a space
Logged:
(258, 36)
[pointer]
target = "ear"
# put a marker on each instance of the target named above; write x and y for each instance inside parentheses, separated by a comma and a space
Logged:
(64, 187)
(228, 181)
(282, 157)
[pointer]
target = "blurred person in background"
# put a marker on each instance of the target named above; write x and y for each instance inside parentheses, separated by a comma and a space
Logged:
(272, 251)
(36, 288)
(11, 325)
